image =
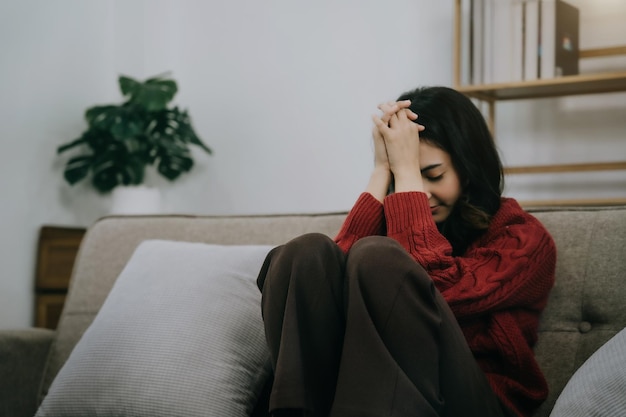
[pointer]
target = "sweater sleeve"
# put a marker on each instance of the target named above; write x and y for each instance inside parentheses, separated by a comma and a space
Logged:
(511, 265)
(365, 219)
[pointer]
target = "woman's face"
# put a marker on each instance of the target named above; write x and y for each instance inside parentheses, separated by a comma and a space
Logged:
(441, 182)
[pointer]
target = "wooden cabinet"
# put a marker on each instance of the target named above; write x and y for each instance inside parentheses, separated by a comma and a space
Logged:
(555, 87)
(56, 252)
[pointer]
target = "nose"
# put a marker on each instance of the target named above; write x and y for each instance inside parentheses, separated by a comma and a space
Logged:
(427, 191)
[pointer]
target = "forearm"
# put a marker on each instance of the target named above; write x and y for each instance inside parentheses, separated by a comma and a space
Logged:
(378, 184)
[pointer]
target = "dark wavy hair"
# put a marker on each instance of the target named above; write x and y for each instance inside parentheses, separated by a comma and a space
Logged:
(455, 125)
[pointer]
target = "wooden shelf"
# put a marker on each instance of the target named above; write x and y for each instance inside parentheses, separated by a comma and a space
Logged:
(556, 87)
(587, 202)
(572, 85)
(556, 168)
(602, 52)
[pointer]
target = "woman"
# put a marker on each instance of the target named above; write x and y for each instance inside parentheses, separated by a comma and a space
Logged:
(428, 300)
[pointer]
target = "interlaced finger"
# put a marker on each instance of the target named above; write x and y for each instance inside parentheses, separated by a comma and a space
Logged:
(392, 107)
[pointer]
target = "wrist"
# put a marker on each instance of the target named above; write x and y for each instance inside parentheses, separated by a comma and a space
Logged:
(405, 181)
(382, 171)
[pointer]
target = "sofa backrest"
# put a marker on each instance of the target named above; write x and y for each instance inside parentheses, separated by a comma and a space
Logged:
(585, 309)
(109, 243)
(587, 304)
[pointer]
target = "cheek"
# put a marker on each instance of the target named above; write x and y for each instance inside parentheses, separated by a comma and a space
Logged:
(452, 190)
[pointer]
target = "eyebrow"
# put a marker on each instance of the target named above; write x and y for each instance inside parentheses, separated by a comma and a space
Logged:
(429, 167)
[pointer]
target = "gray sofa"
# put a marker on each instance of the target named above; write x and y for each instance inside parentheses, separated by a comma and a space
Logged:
(585, 310)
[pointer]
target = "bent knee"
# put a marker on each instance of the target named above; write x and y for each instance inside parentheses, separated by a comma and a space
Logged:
(305, 251)
(378, 258)
(307, 244)
(302, 261)
(373, 248)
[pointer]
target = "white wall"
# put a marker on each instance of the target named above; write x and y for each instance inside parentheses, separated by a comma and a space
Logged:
(282, 90)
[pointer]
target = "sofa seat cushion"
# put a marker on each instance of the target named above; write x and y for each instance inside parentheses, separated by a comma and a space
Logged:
(598, 388)
(180, 333)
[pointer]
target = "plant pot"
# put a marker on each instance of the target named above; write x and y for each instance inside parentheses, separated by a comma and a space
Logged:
(138, 199)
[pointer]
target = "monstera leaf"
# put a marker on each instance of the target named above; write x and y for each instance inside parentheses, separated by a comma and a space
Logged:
(153, 94)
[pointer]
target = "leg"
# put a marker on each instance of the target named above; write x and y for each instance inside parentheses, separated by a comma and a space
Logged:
(304, 314)
(404, 354)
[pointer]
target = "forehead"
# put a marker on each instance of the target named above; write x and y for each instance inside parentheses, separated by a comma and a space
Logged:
(430, 154)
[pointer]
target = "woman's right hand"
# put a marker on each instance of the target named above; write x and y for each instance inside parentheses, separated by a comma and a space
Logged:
(381, 176)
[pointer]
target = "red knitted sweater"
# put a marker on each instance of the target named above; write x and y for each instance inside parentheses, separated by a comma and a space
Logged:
(496, 289)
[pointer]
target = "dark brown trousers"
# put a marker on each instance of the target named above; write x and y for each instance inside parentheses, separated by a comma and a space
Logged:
(364, 334)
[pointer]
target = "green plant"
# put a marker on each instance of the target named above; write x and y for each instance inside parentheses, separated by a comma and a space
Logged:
(122, 140)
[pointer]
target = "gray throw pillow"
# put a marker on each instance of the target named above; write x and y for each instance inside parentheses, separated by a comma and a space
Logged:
(180, 334)
(598, 388)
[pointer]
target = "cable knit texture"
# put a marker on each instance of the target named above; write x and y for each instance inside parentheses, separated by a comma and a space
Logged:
(497, 289)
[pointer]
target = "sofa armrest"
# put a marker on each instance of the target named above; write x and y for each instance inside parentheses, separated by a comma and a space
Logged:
(23, 355)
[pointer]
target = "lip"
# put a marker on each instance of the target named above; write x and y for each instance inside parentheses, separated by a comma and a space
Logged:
(434, 208)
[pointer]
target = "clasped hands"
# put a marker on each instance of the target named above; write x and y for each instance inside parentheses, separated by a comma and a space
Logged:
(396, 150)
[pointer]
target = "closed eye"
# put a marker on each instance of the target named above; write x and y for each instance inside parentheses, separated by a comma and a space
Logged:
(435, 179)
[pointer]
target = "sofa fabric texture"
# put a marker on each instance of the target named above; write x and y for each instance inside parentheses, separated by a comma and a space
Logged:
(584, 311)
(586, 306)
(23, 355)
(598, 388)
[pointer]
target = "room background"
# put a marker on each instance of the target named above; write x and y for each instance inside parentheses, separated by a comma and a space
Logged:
(281, 90)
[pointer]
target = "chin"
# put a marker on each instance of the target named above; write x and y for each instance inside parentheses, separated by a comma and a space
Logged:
(440, 217)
